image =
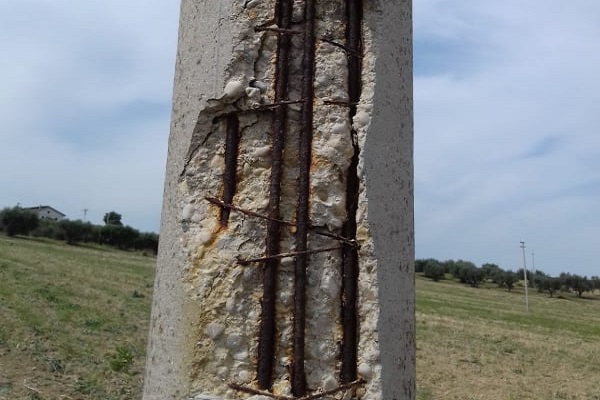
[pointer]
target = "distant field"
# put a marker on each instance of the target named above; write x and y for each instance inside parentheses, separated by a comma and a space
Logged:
(481, 344)
(74, 320)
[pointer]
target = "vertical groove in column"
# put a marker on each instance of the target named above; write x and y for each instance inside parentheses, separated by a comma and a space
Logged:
(266, 341)
(232, 141)
(349, 253)
(298, 378)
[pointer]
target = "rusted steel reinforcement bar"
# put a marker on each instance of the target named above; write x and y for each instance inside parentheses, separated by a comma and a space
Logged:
(232, 141)
(317, 230)
(242, 261)
(341, 46)
(314, 396)
(350, 254)
(277, 30)
(258, 109)
(266, 340)
(298, 375)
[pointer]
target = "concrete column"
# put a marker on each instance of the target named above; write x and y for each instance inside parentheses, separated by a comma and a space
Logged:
(285, 265)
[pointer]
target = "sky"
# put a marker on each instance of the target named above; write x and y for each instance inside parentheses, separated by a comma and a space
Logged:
(507, 113)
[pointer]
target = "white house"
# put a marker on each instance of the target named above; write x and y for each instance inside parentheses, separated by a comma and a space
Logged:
(46, 212)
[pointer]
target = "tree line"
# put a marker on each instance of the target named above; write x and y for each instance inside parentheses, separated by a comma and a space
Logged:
(19, 221)
(468, 273)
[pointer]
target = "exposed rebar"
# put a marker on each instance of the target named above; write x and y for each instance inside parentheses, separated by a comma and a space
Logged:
(350, 270)
(298, 375)
(314, 396)
(232, 141)
(266, 341)
(243, 261)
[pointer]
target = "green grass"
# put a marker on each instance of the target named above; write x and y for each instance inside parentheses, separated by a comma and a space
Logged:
(480, 343)
(576, 315)
(74, 320)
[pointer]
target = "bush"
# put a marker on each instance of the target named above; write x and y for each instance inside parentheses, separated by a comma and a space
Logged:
(491, 271)
(465, 272)
(433, 270)
(123, 237)
(77, 231)
(468, 273)
(420, 265)
(595, 281)
(17, 221)
(450, 267)
(147, 241)
(579, 284)
(507, 279)
(48, 228)
(550, 285)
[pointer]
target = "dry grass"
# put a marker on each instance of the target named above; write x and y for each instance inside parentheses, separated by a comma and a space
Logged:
(74, 320)
(481, 344)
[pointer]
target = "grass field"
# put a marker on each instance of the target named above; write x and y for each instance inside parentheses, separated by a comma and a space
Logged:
(73, 320)
(479, 343)
(73, 325)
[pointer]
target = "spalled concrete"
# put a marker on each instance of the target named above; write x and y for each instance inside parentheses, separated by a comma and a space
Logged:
(206, 311)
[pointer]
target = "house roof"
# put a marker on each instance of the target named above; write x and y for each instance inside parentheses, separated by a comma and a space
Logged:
(40, 207)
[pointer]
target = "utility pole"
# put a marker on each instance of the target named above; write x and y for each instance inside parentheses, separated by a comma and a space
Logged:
(533, 261)
(85, 210)
(525, 277)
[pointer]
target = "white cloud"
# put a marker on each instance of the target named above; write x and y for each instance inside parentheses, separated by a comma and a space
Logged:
(506, 132)
(506, 99)
(86, 94)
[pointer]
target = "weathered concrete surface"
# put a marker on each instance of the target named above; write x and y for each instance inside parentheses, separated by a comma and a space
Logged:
(200, 72)
(206, 307)
(389, 170)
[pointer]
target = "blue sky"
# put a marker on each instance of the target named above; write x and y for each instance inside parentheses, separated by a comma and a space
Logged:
(507, 113)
